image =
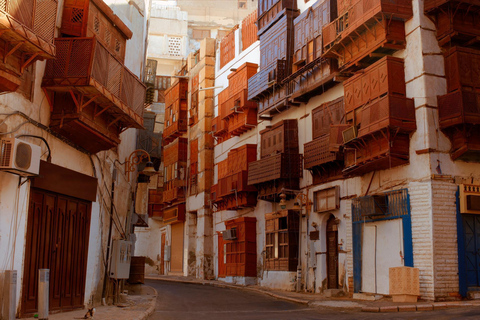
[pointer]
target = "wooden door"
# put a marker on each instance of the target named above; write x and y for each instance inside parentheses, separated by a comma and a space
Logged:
(58, 229)
(176, 250)
(162, 254)
(332, 253)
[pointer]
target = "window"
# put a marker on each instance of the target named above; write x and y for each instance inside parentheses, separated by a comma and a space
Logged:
(327, 199)
(174, 46)
(242, 4)
(281, 240)
(310, 51)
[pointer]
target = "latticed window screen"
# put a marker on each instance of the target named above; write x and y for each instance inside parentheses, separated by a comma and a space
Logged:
(174, 46)
(45, 16)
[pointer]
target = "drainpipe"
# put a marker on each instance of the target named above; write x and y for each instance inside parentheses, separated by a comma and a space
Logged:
(105, 278)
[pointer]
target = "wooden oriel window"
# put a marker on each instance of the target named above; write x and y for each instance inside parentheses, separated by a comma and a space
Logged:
(281, 240)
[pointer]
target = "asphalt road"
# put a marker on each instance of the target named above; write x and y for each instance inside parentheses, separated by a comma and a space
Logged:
(204, 302)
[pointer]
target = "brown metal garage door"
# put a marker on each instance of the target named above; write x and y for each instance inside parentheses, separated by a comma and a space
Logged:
(57, 239)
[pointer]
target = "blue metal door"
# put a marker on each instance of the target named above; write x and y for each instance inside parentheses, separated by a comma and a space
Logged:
(471, 227)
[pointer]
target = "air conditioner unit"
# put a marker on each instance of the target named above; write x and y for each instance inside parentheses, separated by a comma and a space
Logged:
(230, 234)
(19, 157)
(376, 205)
(469, 198)
(349, 134)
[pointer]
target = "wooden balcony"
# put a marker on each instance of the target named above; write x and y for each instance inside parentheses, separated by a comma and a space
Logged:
(367, 30)
(26, 35)
(155, 204)
(432, 5)
(176, 114)
(465, 143)
(379, 151)
(384, 76)
(457, 23)
(92, 95)
(174, 190)
(461, 69)
(174, 214)
(176, 152)
(389, 111)
(235, 191)
(219, 128)
(280, 138)
(319, 151)
(270, 11)
(239, 113)
(272, 174)
(458, 108)
(324, 155)
(312, 79)
(266, 80)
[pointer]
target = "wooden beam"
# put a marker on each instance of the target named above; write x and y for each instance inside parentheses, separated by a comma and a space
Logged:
(22, 68)
(9, 53)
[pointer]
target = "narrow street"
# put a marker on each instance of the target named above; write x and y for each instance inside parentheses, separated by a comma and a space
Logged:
(190, 301)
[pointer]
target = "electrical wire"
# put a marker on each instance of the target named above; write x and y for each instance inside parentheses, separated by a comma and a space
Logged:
(49, 158)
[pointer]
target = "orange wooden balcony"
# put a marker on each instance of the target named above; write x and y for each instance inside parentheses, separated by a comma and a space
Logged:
(269, 10)
(465, 143)
(461, 105)
(175, 152)
(272, 174)
(176, 114)
(366, 27)
(174, 190)
(174, 214)
(235, 191)
(219, 127)
(325, 149)
(26, 35)
(155, 204)
(379, 151)
(239, 113)
(389, 111)
(457, 23)
(458, 108)
(431, 5)
(93, 96)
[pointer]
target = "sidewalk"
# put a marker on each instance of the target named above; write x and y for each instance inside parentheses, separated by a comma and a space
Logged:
(139, 306)
(318, 300)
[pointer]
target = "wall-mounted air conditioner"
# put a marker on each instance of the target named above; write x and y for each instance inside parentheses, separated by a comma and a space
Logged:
(349, 134)
(230, 234)
(469, 198)
(19, 157)
(376, 205)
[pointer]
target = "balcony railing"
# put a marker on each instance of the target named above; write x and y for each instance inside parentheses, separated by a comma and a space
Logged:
(364, 28)
(85, 65)
(430, 5)
(279, 166)
(379, 151)
(174, 190)
(266, 78)
(234, 183)
(319, 152)
(389, 111)
(32, 20)
(458, 108)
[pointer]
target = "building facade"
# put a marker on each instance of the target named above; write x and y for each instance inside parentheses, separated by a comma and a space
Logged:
(72, 99)
(344, 145)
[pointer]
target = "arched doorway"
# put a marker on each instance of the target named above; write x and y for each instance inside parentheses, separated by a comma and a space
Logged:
(332, 253)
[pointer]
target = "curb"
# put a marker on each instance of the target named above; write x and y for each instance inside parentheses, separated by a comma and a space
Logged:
(419, 307)
(144, 315)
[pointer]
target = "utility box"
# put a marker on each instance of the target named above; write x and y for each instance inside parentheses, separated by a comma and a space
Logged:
(9, 295)
(121, 258)
(167, 254)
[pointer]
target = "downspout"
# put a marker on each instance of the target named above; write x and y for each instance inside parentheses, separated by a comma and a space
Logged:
(107, 259)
